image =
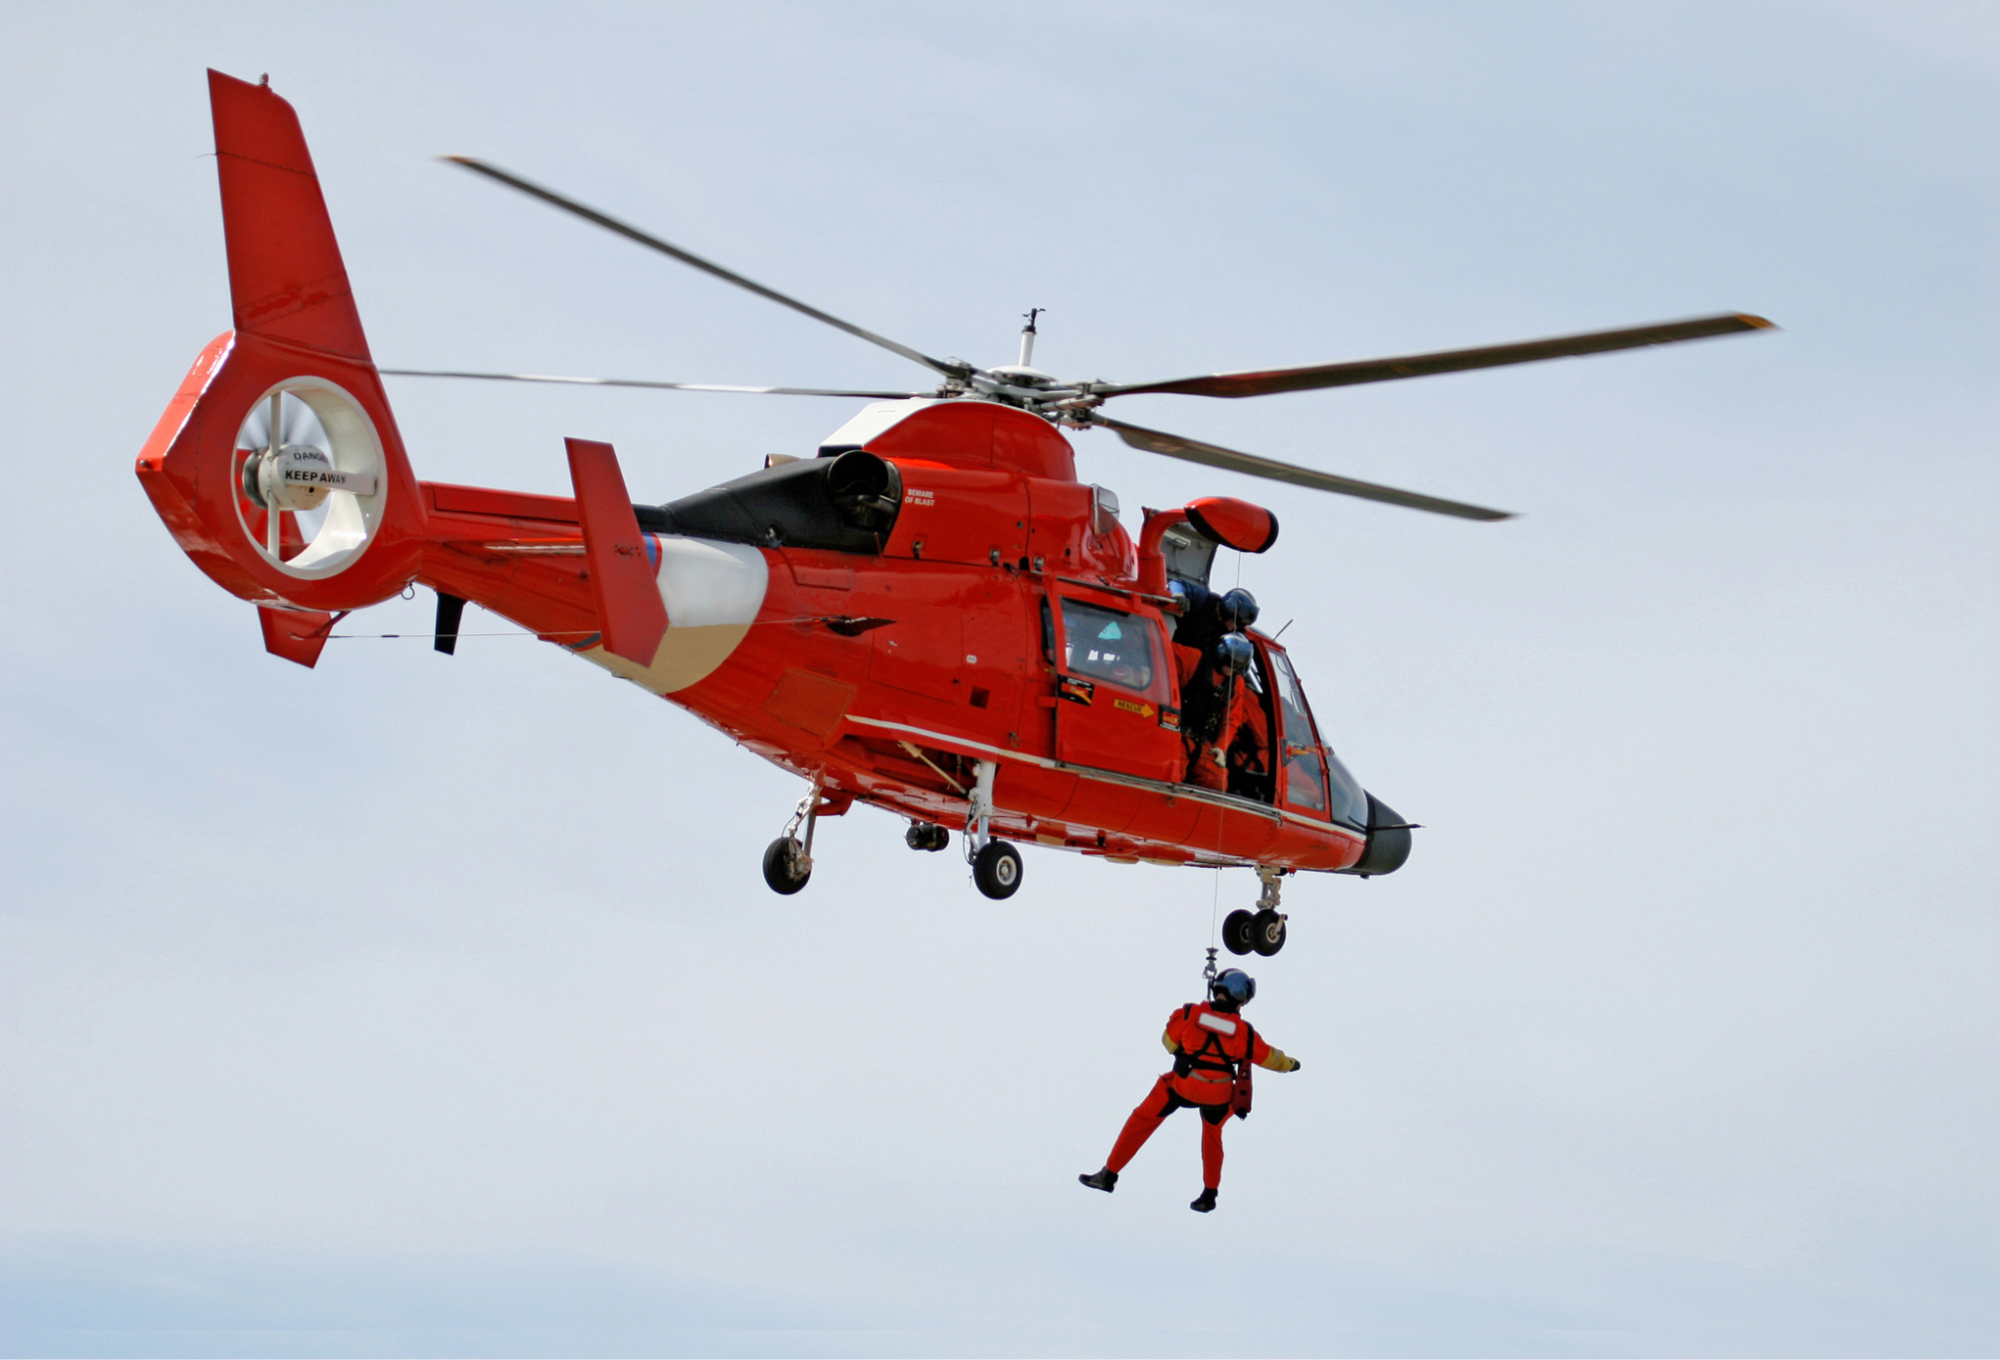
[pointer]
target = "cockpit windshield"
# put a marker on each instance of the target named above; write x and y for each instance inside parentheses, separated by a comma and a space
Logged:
(1312, 783)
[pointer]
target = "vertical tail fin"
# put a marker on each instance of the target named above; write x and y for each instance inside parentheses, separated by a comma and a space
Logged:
(284, 418)
(623, 573)
(286, 279)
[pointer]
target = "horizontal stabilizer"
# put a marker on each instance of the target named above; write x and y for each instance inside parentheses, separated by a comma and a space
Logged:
(296, 634)
(624, 578)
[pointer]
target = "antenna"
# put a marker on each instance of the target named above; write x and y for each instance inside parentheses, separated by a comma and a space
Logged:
(1028, 336)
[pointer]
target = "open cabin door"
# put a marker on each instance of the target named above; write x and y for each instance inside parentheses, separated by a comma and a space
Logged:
(1114, 688)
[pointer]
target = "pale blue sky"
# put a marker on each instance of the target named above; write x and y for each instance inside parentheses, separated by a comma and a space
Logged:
(427, 1006)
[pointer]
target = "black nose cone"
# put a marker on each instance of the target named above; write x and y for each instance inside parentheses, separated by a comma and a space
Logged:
(1388, 841)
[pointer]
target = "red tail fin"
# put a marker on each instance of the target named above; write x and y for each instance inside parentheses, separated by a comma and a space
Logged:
(286, 279)
(288, 396)
(623, 582)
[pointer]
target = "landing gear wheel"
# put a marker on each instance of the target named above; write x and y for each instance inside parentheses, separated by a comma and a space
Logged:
(1267, 933)
(1239, 932)
(997, 869)
(785, 868)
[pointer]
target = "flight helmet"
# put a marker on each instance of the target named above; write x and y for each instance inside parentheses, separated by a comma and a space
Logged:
(1239, 609)
(1233, 654)
(1232, 989)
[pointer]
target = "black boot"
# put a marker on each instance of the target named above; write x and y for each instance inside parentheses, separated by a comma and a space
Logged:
(1206, 1204)
(1105, 1180)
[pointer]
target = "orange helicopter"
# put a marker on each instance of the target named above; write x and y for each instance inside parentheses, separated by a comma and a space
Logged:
(932, 615)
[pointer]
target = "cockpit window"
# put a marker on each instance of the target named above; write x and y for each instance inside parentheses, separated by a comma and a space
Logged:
(1305, 775)
(1105, 644)
(1309, 779)
(1350, 800)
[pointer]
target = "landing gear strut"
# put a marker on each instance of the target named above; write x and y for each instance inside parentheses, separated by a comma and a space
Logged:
(1262, 930)
(996, 865)
(788, 864)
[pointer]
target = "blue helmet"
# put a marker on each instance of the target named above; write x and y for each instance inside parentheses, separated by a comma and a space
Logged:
(1233, 654)
(1233, 988)
(1239, 609)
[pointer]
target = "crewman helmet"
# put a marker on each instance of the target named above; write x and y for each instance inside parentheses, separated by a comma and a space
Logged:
(1232, 989)
(1239, 609)
(1233, 654)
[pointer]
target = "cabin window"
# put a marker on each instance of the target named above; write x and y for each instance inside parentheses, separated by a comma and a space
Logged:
(1107, 644)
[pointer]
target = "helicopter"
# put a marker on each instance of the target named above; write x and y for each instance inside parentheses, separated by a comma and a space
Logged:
(929, 613)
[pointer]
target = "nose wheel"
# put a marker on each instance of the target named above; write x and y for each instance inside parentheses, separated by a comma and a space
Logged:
(1261, 931)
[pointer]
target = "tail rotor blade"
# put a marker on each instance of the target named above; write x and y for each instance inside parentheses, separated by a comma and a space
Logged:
(1214, 455)
(298, 421)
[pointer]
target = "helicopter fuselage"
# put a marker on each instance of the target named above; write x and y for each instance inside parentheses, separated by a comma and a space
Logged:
(884, 670)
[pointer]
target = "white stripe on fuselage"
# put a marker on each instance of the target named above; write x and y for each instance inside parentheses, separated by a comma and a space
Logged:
(712, 592)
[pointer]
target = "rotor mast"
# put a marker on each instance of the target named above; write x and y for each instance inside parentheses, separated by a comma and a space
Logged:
(1028, 337)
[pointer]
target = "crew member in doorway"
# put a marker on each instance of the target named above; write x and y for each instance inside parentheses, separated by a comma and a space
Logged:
(1205, 619)
(1222, 721)
(1205, 616)
(1213, 1046)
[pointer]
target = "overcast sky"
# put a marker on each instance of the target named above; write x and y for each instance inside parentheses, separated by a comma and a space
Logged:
(415, 1005)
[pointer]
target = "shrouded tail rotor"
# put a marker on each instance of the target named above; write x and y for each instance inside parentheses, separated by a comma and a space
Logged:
(277, 465)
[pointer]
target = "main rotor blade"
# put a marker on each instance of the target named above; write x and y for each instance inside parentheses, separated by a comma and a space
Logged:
(1445, 361)
(1214, 455)
(632, 233)
(640, 382)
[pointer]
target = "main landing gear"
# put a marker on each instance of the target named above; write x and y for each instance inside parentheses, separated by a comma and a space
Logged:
(788, 862)
(1262, 930)
(996, 865)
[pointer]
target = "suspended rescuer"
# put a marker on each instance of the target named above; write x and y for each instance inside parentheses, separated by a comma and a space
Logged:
(1213, 1048)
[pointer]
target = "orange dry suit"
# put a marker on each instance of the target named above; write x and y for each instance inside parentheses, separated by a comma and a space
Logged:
(1239, 742)
(1209, 1046)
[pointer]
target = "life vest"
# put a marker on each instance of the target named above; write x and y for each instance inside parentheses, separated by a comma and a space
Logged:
(1212, 1062)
